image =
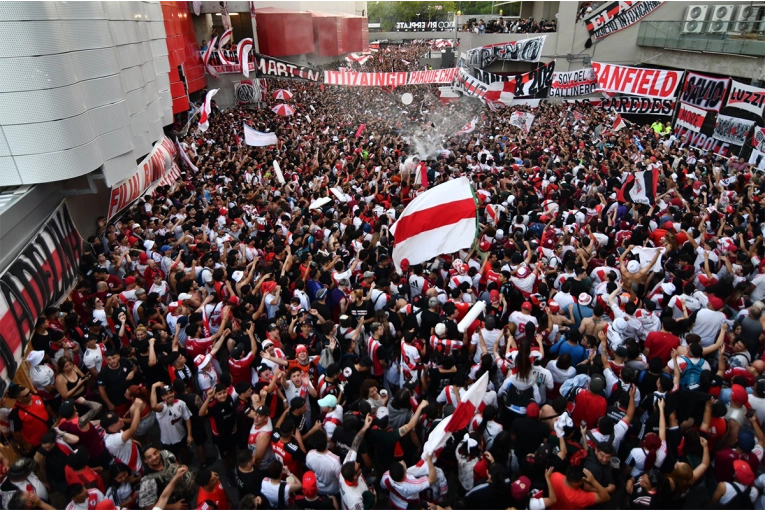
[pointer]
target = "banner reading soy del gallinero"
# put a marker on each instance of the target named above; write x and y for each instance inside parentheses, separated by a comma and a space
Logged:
(42, 275)
(637, 81)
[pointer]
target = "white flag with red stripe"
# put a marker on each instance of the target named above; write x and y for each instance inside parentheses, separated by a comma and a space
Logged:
(221, 43)
(618, 124)
(469, 127)
(206, 57)
(441, 220)
(204, 114)
(243, 52)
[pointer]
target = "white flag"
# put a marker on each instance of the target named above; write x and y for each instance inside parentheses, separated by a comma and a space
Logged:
(255, 138)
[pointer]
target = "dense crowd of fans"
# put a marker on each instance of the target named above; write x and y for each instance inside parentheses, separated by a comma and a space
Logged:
(231, 347)
(509, 26)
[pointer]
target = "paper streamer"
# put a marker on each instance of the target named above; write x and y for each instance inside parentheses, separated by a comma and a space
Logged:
(319, 203)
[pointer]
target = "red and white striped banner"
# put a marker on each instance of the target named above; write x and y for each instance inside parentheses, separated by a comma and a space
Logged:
(690, 117)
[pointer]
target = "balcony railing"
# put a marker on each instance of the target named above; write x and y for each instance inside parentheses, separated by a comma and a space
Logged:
(737, 38)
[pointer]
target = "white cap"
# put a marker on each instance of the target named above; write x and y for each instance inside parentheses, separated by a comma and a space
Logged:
(440, 329)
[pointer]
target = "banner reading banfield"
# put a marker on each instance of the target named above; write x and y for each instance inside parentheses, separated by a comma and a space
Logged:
(573, 83)
(391, 80)
(524, 50)
(158, 168)
(617, 16)
(636, 81)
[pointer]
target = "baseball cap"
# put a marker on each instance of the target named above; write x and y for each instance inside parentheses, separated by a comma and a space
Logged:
(321, 293)
(744, 473)
(66, 411)
(328, 401)
(520, 488)
(310, 489)
(745, 440)
(129, 280)
(201, 360)
(494, 296)
(110, 419)
(268, 287)
(716, 302)
(267, 344)
(300, 348)
(532, 410)
(94, 322)
(738, 395)
(263, 411)
(262, 368)
(526, 306)
(440, 329)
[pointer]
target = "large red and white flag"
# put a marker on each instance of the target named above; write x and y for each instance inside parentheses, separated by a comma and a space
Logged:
(460, 419)
(204, 113)
(185, 157)
(441, 220)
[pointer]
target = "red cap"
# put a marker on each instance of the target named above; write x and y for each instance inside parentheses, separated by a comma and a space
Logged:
(494, 296)
(532, 410)
(716, 302)
(310, 489)
(520, 488)
(738, 395)
(404, 264)
(744, 473)
(301, 348)
(106, 504)
(554, 306)
(130, 280)
(669, 225)
(484, 245)
(143, 257)
(268, 287)
(526, 306)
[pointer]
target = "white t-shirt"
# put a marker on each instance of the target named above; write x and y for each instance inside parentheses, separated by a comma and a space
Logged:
(272, 305)
(520, 320)
(620, 430)
(271, 492)
(85, 505)
(707, 325)
(172, 422)
(42, 375)
(93, 358)
(637, 457)
(730, 493)
(353, 495)
(490, 338)
(125, 452)
(327, 468)
(560, 376)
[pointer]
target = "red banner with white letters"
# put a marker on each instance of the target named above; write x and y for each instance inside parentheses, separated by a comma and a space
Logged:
(637, 81)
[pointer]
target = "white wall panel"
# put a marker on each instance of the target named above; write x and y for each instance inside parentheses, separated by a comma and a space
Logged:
(8, 171)
(95, 63)
(103, 91)
(41, 105)
(132, 78)
(34, 73)
(110, 117)
(85, 78)
(4, 150)
(58, 136)
(80, 10)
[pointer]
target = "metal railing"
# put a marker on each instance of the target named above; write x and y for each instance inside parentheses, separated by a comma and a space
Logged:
(738, 38)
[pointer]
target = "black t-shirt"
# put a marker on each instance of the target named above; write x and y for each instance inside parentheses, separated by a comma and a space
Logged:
(156, 373)
(361, 311)
(320, 503)
(529, 434)
(222, 417)
(248, 483)
(601, 473)
(115, 382)
(438, 381)
(42, 342)
(353, 380)
(244, 422)
(323, 310)
(343, 439)
(428, 320)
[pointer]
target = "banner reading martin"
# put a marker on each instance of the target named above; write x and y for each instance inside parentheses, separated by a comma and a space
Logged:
(524, 50)
(618, 16)
(732, 129)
